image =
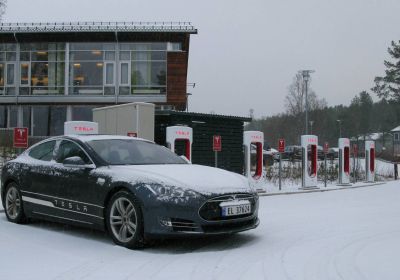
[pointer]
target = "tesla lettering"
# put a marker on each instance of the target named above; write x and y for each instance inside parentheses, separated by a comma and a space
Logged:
(70, 205)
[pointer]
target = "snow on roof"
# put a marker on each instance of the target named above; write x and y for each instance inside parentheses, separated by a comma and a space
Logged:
(396, 129)
(372, 136)
(91, 137)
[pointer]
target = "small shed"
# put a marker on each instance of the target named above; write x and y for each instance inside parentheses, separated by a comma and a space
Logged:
(205, 126)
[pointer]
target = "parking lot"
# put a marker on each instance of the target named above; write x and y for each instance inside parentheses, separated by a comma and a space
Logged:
(346, 234)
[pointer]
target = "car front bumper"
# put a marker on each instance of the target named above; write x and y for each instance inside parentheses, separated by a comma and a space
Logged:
(171, 220)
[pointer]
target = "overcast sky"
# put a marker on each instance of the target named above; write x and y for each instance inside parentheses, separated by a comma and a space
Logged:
(247, 52)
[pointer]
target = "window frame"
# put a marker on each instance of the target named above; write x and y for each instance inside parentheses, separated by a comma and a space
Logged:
(6, 74)
(128, 62)
(105, 84)
(29, 74)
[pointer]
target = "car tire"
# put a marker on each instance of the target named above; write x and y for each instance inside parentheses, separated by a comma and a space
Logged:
(124, 220)
(13, 204)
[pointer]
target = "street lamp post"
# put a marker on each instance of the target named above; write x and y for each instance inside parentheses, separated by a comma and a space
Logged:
(187, 101)
(311, 124)
(306, 77)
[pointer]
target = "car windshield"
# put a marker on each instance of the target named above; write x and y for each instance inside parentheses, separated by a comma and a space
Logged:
(133, 152)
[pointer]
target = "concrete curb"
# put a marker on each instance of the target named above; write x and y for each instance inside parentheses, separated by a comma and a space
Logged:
(322, 190)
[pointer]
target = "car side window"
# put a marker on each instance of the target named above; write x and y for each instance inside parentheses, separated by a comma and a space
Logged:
(70, 149)
(43, 151)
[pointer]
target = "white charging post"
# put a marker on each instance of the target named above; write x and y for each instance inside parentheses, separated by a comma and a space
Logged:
(309, 145)
(344, 161)
(370, 161)
(255, 138)
(183, 134)
(80, 128)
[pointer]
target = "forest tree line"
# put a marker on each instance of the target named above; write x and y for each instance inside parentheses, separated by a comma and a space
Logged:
(359, 119)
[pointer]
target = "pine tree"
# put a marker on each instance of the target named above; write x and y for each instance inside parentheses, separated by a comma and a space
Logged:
(388, 87)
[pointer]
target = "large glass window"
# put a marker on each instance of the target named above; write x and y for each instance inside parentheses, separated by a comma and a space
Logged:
(90, 72)
(58, 115)
(2, 78)
(92, 68)
(8, 58)
(25, 73)
(26, 117)
(41, 120)
(7, 69)
(82, 113)
(3, 116)
(147, 65)
(13, 115)
(42, 68)
(48, 120)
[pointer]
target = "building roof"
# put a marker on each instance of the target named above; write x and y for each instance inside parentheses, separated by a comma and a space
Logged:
(137, 27)
(396, 129)
(200, 115)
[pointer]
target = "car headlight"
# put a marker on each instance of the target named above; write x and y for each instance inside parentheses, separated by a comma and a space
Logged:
(171, 192)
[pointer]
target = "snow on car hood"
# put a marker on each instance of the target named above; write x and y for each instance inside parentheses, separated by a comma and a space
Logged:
(203, 179)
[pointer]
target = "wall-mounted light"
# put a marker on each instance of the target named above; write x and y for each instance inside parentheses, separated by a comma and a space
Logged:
(77, 65)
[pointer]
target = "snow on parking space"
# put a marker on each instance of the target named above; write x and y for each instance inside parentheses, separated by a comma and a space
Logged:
(349, 234)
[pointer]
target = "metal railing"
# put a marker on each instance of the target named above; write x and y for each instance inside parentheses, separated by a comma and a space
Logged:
(135, 26)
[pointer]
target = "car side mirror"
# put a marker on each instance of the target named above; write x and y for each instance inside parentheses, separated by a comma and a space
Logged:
(76, 161)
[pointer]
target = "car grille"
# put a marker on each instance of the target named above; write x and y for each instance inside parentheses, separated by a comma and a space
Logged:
(211, 211)
(229, 226)
(183, 225)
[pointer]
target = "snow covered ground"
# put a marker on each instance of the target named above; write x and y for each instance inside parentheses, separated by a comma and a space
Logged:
(349, 234)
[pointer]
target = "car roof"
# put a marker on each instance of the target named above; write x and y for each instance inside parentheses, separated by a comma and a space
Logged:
(92, 137)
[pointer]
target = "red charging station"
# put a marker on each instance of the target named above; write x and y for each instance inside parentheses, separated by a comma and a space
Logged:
(344, 161)
(180, 134)
(253, 142)
(370, 161)
(309, 144)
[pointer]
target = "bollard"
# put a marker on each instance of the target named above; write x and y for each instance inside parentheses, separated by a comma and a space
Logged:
(326, 170)
(280, 171)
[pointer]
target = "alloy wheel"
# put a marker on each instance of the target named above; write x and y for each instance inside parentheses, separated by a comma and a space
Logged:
(13, 203)
(123, 219)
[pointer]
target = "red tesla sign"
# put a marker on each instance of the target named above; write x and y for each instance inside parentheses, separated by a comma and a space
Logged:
(281, 145)
(217, 143)
(326, 147)
(20, 137)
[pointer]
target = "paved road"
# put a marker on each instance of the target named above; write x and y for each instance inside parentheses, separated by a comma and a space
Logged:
(352, 234)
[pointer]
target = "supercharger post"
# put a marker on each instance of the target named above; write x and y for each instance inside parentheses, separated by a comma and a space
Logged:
(370, 161)
(180, 133)
(80, 127)
(344, 161)
(256, 138)
(309, 145)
